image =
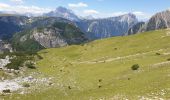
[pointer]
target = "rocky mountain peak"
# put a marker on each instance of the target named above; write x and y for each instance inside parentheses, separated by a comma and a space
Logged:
(63, 13)
(160, 20)
(63, 10)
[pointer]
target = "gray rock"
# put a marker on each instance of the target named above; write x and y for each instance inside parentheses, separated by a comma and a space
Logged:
(5, 47)
(49, 38)
(137, 28)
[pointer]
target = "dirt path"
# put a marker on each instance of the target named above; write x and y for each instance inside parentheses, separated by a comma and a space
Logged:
(115, 58)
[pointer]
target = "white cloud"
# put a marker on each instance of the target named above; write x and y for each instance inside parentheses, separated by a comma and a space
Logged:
(139, 13)
(90, 12)
(17, 1)
(118, 13)
(3, 6)
(78, 5)
(142, 15)
(31, 9)
(23, 9)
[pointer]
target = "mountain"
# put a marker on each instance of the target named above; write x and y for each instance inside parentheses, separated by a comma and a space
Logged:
(160, 20)
(97, 28)
(24, 31)
(107, 27)
(63, 13)
(137, 28)
(10, 24)
(93, 28)
(48, 35)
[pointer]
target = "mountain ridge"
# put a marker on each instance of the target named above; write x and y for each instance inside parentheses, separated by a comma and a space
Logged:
(160, 20)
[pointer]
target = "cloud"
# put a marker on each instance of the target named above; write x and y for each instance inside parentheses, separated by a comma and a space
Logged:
(118, 13)
(17, 1)
(2, 5)
(31, 9)
(78, 5)
(142, 15)
(24, 9)
(90, 12)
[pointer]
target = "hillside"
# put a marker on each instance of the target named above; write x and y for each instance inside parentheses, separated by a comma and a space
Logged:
(102, 70)
(57, 34)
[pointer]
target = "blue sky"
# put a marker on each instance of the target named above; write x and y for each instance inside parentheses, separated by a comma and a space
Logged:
(98, 8)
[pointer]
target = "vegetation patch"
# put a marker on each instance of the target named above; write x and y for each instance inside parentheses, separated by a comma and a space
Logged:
(19, 59)
(30, 65)
(135, 67)
(26, 85)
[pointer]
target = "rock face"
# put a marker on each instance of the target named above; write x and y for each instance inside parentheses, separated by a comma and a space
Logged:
(137, 28)
(4, 62)
(158, 21)
(49, 38)
(63, 13)
(108, 27)
(5, 47)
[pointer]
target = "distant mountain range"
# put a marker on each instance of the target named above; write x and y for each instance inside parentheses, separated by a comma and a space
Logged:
(97, 28)
(62, 27)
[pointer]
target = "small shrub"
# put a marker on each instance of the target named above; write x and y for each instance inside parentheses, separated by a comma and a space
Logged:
(168, 59)
(100, 80)
(158, 53)
(99, 86)
(25, 85)
(39, 57)
(15, 63)
(69, 87)
(135, 67)
(129, 78)
(30, 65)
(6, 91)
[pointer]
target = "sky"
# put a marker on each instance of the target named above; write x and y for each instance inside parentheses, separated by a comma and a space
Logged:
(143, 9)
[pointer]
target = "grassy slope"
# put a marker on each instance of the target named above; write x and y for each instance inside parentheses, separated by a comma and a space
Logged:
(81, 68)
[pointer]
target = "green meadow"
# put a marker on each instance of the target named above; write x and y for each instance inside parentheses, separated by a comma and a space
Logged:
(101, 70)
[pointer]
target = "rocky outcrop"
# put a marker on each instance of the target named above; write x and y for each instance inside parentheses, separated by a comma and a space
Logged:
(159, 21)
(49, 38)
(137, 28)
(4, 62)
(5, 47)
